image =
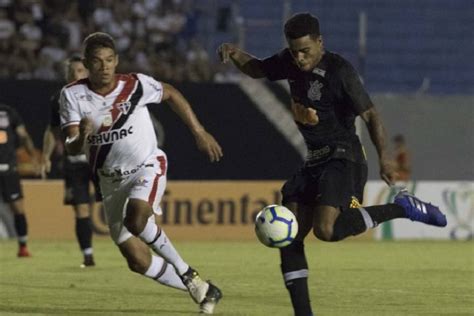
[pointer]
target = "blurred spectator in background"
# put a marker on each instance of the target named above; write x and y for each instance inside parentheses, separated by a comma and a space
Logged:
(7, 35)
(155, 36)
(7, 28)
(74, 27)
(12, 134)
(401, 158)
(197, 62)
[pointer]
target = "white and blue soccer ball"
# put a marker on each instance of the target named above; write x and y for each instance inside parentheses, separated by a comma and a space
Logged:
(276, 226)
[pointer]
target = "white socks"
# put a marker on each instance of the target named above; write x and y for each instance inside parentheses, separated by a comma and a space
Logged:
(87, 251)
(159, 242)
(164, 273)
(369, 222)
(149, 232)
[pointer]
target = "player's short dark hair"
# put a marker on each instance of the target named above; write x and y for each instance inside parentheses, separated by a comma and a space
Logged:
(302, 24)
(97, 40)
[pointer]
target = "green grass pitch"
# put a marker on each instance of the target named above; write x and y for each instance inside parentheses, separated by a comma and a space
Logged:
(346, 278)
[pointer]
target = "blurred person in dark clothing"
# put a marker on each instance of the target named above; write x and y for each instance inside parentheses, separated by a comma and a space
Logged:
(12, 134)
(76, 168)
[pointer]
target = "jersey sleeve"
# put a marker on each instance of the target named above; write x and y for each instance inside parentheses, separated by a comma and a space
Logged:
(276, 67)
(354, 89)
(68, 110)
(152, 89)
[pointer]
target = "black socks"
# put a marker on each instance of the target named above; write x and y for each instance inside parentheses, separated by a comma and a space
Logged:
(295, 274)
(21, 228)
(353, 221)
(84, 232)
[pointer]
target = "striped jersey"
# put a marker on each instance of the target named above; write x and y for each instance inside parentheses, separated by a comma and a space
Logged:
(123, 137)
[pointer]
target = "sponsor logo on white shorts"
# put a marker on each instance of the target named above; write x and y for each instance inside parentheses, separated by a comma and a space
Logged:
(142, 182)
(123, 173)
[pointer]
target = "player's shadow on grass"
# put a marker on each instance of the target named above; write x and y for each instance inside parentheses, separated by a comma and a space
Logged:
(85, 288)
(94, 311)
(61, 310)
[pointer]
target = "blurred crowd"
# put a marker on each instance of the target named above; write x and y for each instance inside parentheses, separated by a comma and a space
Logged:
(157, 37)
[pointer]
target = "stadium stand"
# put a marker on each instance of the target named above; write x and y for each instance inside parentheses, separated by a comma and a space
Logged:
(152, 36)
(411, 45)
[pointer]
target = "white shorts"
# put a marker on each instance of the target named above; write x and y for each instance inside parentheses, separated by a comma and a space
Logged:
(146, 182)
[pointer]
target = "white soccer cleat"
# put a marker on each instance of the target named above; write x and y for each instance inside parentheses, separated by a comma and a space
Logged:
(197, 288)
(213, 296)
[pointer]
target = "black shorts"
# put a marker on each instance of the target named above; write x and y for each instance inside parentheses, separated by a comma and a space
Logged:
(77, 179)
(334, 183)
(10, 187)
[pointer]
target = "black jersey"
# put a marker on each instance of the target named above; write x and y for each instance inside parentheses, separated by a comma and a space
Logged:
(333, 88)
(9, 121)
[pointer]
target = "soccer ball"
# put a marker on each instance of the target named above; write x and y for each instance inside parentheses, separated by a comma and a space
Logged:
(276, 226)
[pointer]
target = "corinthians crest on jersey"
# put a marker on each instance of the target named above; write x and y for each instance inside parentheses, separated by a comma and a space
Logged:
(314, 91)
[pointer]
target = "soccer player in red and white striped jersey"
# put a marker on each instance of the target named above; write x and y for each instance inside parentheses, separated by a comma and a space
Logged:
(106, 115)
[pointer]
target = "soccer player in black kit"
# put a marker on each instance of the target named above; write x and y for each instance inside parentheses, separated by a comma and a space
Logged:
(327, 95)
(76, 168)
(13, 133)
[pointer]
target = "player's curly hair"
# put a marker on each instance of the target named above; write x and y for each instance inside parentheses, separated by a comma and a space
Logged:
(302, 24)
(97, 40)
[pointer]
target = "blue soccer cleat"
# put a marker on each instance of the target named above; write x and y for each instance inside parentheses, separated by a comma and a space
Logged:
(420, 211)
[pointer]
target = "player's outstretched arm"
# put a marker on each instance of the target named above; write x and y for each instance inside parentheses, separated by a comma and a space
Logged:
(76, 136)
(204, 141)
(377, 135)
(246, 63)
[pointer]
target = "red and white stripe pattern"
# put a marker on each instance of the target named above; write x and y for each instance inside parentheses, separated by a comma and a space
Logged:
(130, 86)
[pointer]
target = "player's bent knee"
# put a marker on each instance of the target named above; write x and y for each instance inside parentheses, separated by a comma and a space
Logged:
(324, 232)
(17, 207)
(138, 212)
(137, 255)
(134, 224)
(137, 265)
(82, 210)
